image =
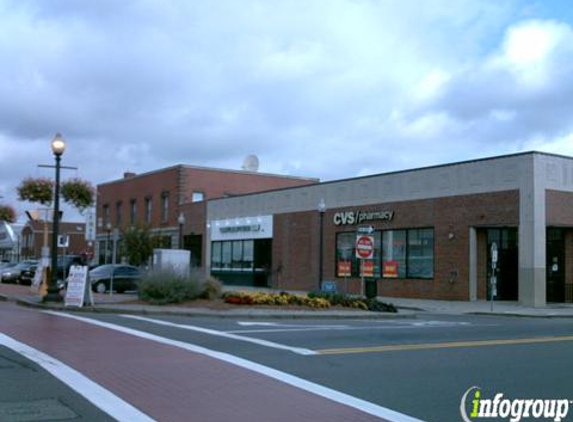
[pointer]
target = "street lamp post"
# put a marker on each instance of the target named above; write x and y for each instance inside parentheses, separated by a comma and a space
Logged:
(321, 211)
(181, 222)
(108, 230)
(53, 295)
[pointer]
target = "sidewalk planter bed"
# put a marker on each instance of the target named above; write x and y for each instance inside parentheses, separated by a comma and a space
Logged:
(360, 302)
(312, 300)
(274, 299)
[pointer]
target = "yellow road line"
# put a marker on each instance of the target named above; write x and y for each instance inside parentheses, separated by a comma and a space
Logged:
(450, 345)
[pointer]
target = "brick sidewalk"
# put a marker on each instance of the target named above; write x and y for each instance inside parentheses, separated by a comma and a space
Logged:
(166, 382)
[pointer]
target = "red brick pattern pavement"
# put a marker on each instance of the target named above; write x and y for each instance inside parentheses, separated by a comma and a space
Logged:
(168, 383)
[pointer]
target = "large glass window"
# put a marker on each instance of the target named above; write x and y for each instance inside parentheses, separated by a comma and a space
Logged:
(248, 254)
(347, 265)
(236, 255)
(421, 253)
(226, 255)
(394, 254)
(237, 261)
(216, 256)
(408, 253)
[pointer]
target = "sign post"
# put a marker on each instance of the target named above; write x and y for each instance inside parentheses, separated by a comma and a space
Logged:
(364, 251)
(493, 279)
(113, 258)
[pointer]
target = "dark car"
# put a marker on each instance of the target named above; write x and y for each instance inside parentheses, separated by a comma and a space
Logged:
(13, 274)
(64, 264)
(27, 275)
(125, 277)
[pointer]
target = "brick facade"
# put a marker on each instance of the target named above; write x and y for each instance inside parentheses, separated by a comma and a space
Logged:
(178, 184)
(32, 238)
(296, 240)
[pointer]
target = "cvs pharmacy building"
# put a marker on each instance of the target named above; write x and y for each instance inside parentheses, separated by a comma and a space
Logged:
(432, 230)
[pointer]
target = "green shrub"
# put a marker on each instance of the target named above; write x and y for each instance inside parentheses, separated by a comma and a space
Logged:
(211, 289)
(161, 288)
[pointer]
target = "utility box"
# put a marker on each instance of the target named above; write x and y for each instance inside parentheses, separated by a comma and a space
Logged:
(176, 260)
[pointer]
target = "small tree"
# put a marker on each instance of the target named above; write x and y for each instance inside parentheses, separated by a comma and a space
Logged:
(7, 214)
(136, 245)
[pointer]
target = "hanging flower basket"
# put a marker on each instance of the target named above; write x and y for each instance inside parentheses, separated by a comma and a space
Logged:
(7, 214)
(79, 193)
(36, 190)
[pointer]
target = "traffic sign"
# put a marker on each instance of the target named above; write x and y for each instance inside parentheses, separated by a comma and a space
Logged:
(90, 226)
(63, 241)
(364, 246)
(365, 230)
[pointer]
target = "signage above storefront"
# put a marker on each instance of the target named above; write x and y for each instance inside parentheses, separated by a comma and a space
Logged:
(260, 227)
(345, 218)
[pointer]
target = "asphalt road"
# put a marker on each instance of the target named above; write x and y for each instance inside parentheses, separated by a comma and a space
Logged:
(376, 360)
(420, 367)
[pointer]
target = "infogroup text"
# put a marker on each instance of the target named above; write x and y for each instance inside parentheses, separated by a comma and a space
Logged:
(514, 410)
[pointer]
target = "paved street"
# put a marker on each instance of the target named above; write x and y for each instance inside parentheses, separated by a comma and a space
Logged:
(300, 370)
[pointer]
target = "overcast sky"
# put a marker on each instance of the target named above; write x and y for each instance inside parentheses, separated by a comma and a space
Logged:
(322, 88)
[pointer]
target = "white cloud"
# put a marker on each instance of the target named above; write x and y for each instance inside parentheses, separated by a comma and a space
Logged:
(333, 89)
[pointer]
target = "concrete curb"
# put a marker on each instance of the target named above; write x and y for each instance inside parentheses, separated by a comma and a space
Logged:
(194, 312)
(518, 315)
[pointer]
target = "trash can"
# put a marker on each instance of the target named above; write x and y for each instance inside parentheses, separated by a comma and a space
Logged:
(371, 288)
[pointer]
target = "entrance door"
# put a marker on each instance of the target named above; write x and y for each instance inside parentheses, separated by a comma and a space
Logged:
(194, 243)
(555, 265)
(507, 262)
(263, 262)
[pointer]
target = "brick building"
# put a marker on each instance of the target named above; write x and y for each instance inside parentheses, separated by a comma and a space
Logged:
(35, 232)
(436, 232)
(156, 199)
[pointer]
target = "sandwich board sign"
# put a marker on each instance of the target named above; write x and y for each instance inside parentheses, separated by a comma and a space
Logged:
(78, 292)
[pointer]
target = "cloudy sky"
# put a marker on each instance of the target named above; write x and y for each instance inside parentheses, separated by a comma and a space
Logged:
(322, 88)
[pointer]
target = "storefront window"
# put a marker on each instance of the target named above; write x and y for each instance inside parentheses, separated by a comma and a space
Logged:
(226, 255)
(347, 265)
(394, 254)
(408, 253)
(236, 255)
(216, 256)
(237, 261)
(421, 253)
(248, 254)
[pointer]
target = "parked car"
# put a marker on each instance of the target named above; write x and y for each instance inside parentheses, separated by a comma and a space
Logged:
(27, 275)
(13, 274)
(125, 277)
(64, 264)
(6, 267)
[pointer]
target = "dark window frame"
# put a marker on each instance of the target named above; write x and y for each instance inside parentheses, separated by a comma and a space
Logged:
(355, 266)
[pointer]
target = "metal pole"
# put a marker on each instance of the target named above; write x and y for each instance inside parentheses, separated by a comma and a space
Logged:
(113, 261)
(180, 236)
(53, 295)
(107, 246)
(320, 252)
